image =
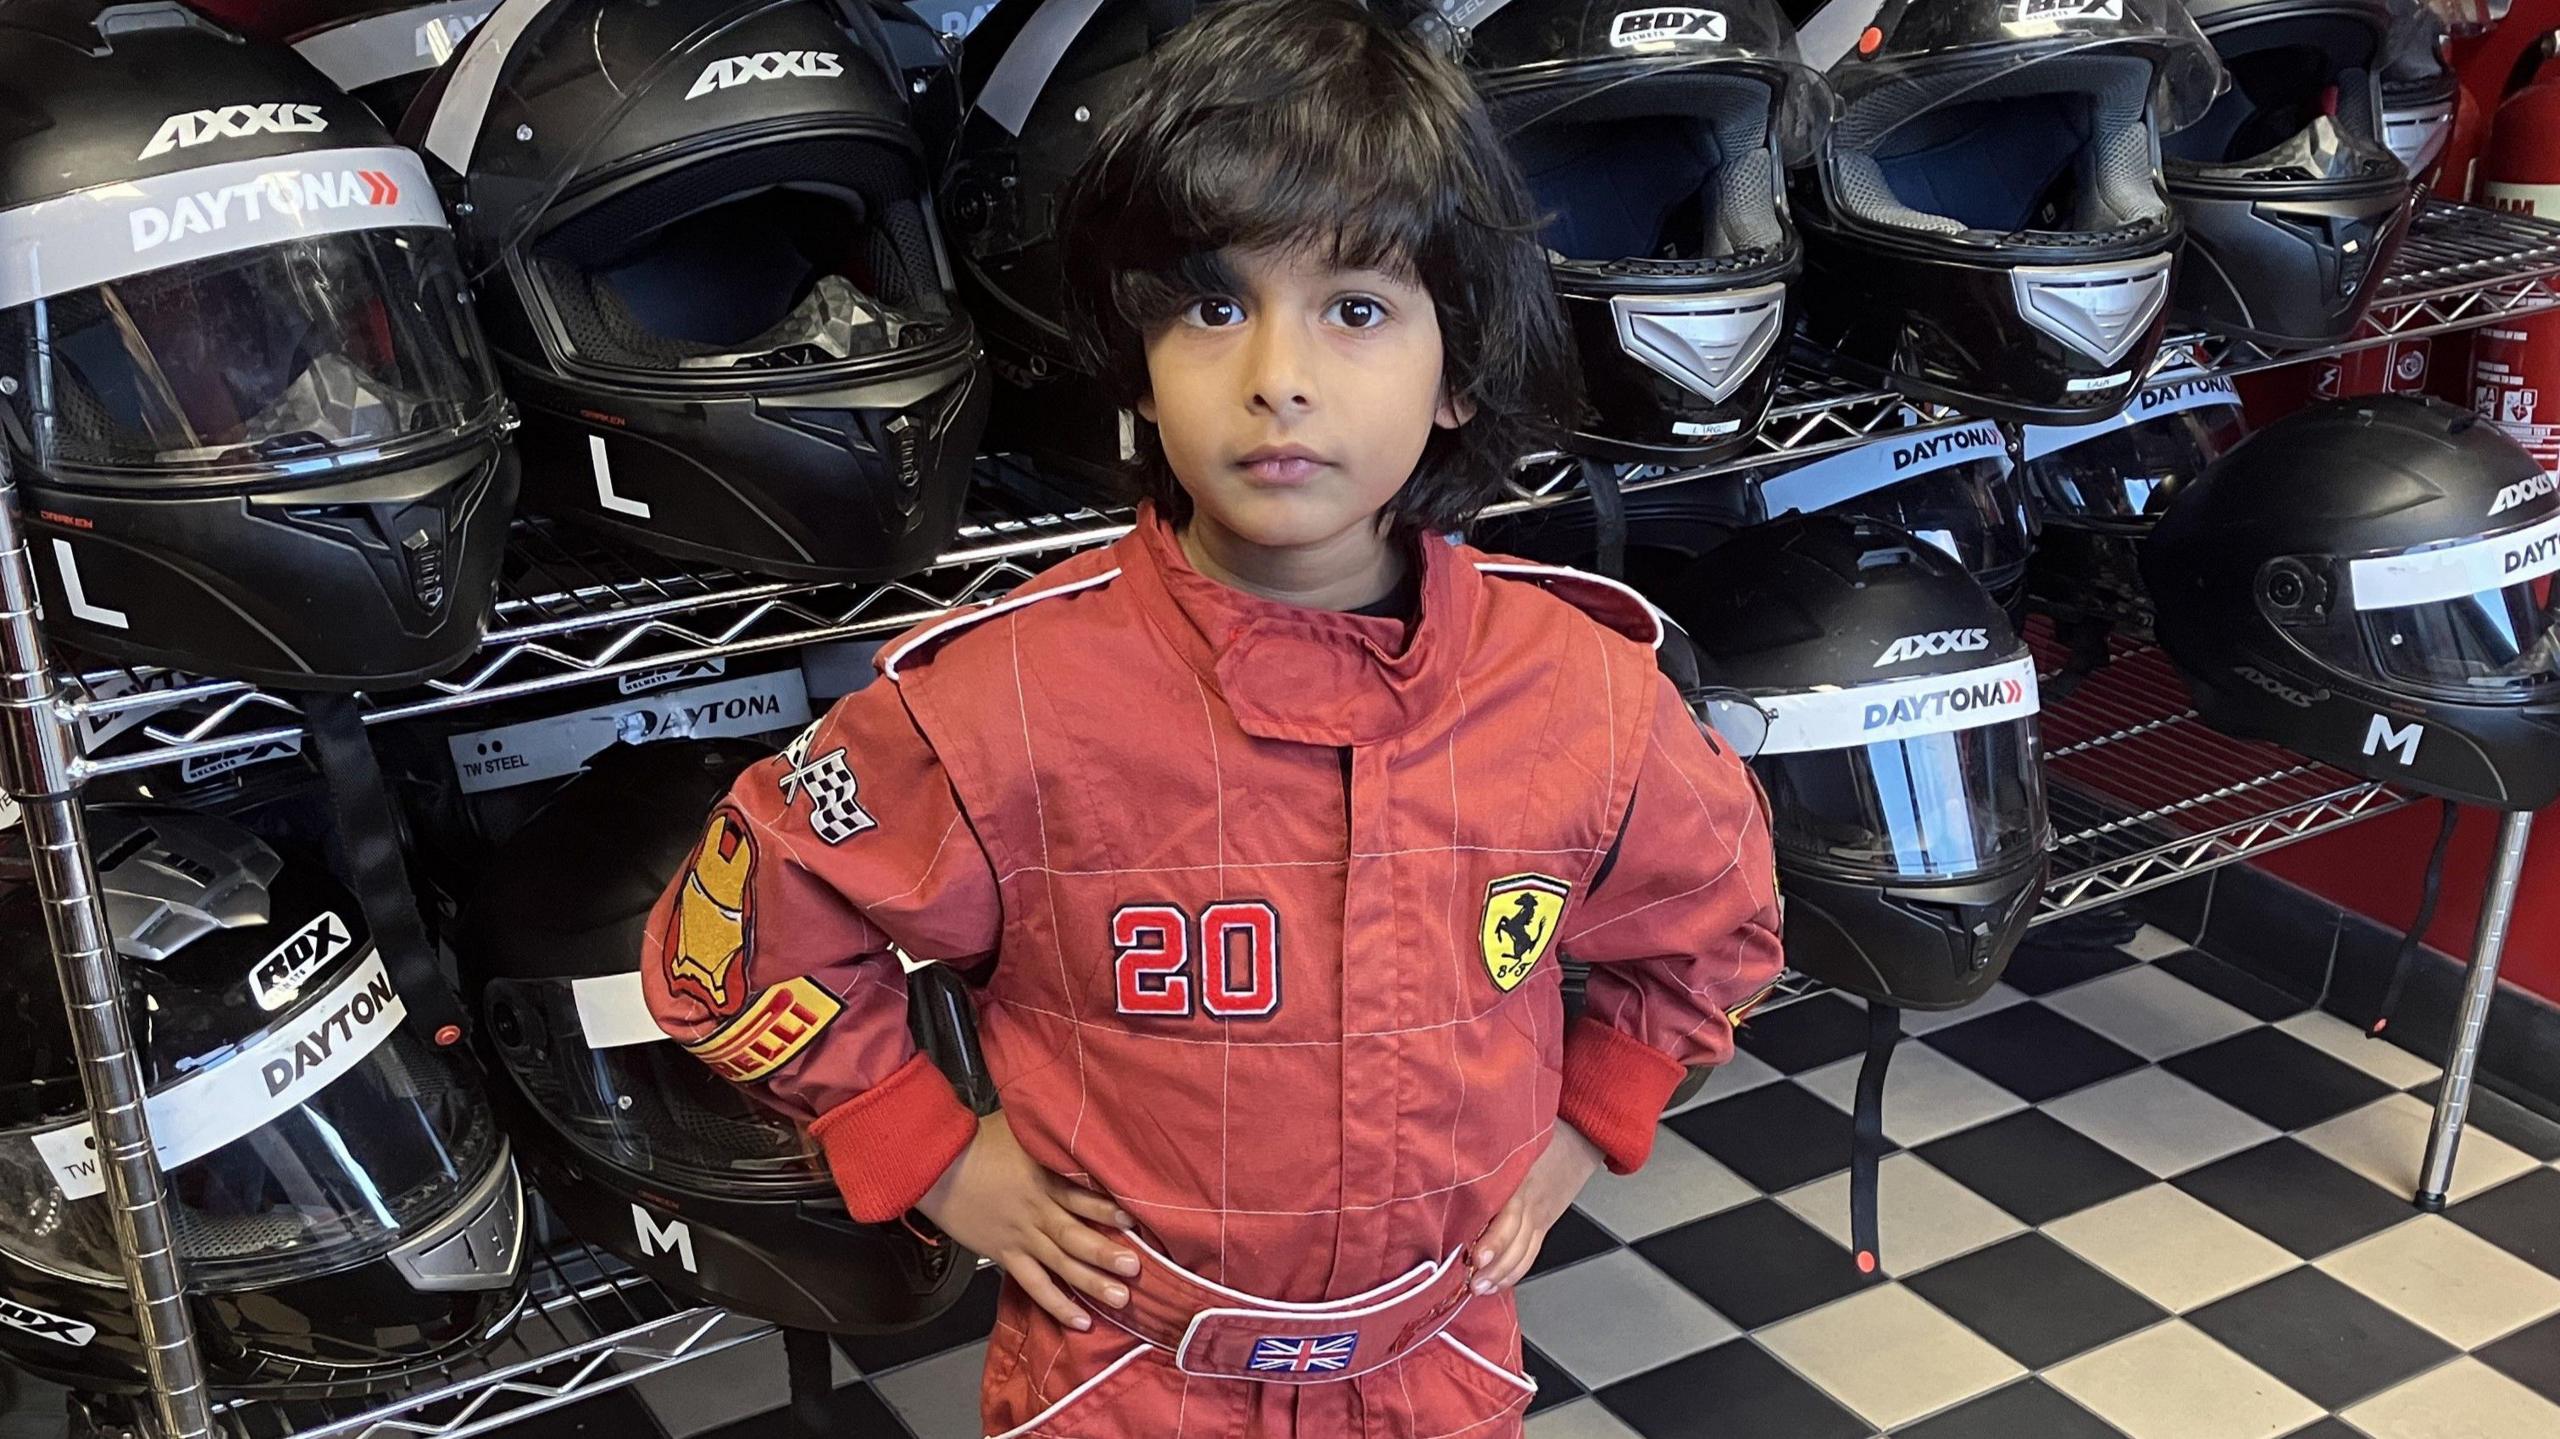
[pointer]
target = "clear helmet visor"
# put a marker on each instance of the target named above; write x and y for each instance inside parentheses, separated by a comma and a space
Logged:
(2471, 620)
(2117, 476)
(1937, 54)
(293, 354)
(283, 1162)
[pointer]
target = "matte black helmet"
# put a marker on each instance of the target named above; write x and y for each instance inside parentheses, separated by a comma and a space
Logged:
(1959, 489)
(714, 276)
(341, 1196)
(2368, 582)
(1901, 762)
(2293, 203)
(641, 1147)
(240, 378)
(1657, 141)
(1985, 220)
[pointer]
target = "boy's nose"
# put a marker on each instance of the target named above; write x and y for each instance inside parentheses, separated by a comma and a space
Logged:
(1280, 374)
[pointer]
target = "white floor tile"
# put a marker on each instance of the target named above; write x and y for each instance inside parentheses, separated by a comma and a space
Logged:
(2159, 1121)
(2171, 1381)
(2465, 1399)
(2150, 1011)
(1889, 1355)
(1922, 1216)
(1729, 1079)
(1609, 1317)
(725, 1386)
(1926, 1094)
(1581, 1419)
(1998, 997)
(1678, 1184)
(2380, 1058)
(2149, 943)
(2174, 1250)
(2445, 1279)
(2386, 1141)
(938, 1397)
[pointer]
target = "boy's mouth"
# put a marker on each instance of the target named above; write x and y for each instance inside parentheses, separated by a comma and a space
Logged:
(1280, 465)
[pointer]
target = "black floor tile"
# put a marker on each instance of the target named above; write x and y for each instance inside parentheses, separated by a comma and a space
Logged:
(1574, 1237)
(1807, 1034)
(1555, 1386)
(2521, 1217)
(2505, 1118)
(1755, 1265)
(2330, 1343)
(2042, 968)
(2263, 924)
(2033, 1052)
(2331, 1428)
(2530, 1356)
(2276, 1077)
(854, 1411)
(2233, 985)
(1733, 1391)
(969, 1321)
(2181, 908)
(614, 1414)
(2024, 1410)
(2035, 1299)
(2035, 1166)
(1776, 1136)
(2296, 1196)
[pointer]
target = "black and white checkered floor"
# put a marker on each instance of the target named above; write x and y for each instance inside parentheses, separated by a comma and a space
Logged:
(2136, 1193)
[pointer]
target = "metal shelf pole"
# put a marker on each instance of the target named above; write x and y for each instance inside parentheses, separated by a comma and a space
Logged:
(35, 764)
(2479, 988)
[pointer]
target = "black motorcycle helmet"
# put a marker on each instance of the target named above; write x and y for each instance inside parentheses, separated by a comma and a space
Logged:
(2368, 582)
(2293, 204)
(1905, 787)
(714, 276)
(1958, 489)
(2100, 488)
(1667, 527)
(2419, 89)
(640, 1147)
(341, 1196)
(382, 54)
(1985, 220)
(1657, 141)
(240, 378)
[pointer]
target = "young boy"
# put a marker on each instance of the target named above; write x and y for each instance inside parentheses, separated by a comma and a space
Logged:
(1265, 829)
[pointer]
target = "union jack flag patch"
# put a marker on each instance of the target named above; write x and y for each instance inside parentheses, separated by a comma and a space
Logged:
(1313, 1355)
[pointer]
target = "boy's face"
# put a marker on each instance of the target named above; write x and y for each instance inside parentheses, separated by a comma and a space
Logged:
(1295, 409)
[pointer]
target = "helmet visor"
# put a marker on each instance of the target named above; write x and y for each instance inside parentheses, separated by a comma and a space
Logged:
(1929, 778)
(323, 1144)
(2470, 620)
(2304, 105)
(1977, 512)
(314, 346)
(593, 1064)
(2117, 475)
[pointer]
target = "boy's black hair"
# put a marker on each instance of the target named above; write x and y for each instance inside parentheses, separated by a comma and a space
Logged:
(1281, 123)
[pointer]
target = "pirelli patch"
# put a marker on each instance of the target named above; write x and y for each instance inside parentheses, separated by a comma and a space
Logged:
(777, 1024)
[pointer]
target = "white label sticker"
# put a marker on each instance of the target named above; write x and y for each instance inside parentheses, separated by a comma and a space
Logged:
(277, 981)
(613, 1010)
(1663, 24)
(2048, 12)
(213, 1107)
(98, 728)
(561, 745)
(1899, 709)
(46, 1326)
(2426, 577)
(643, 681)
(222, 762)
(2170, 394)
(1836, 479)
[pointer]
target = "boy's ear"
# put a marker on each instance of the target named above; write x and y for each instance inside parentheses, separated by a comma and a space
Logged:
(1147, 407)
(1455, 409)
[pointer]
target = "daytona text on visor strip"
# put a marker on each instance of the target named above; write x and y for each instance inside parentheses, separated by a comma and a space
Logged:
(316, 1048)
(1870, 467)
(92, 237)
(1900, 709)
(2168, 395)
(2427, 577)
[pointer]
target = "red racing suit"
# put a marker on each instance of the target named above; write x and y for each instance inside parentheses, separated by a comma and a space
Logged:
(1265, 906)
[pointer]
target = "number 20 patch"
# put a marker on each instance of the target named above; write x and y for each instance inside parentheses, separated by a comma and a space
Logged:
(1228, 965)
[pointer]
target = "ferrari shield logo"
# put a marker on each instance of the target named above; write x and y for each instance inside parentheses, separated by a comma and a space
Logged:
(1520, 915)
(712, 923)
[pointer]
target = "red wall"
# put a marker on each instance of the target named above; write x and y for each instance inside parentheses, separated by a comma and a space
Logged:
(2375, 868)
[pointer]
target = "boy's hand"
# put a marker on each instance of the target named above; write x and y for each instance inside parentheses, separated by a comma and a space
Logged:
(1511, 1243)
(1037, 1227)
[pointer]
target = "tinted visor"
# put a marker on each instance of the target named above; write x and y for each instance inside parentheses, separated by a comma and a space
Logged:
(292, 354)
(2117, 476)
(2506, 639)
(644, 1107)
(2470, 620)
(1976, 511)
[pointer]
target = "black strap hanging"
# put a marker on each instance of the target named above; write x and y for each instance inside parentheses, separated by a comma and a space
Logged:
(809, 1364)
(1866, 1142)
(2431, 890)
(369, 845)
(1609, 508)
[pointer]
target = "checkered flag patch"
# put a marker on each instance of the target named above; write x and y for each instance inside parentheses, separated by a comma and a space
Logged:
(835, 814)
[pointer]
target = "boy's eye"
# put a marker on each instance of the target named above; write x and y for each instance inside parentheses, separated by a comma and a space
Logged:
(1214, 312)
(1359, 312)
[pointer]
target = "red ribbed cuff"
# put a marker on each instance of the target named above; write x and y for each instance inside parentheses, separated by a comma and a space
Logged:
(890, 1143)
(1614, 1088)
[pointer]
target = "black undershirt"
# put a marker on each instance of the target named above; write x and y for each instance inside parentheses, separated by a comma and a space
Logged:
(1400, 603)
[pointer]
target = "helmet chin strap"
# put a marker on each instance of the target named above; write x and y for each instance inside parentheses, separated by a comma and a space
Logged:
(1866, 1142)
(2416, 935)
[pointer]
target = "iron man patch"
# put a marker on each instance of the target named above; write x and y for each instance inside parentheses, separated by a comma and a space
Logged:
(713, 928)
(1520, 916)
